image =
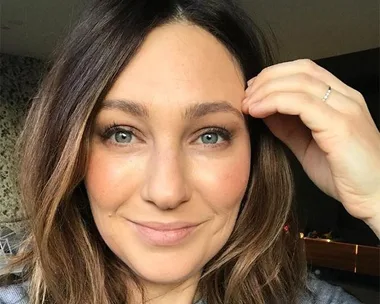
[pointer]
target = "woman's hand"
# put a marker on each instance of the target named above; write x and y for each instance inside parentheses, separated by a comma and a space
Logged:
(336, 140)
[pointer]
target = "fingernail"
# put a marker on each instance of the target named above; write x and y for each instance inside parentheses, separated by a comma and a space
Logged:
(251, 81)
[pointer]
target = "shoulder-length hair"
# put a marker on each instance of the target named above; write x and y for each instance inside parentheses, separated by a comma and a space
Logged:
(64, 257)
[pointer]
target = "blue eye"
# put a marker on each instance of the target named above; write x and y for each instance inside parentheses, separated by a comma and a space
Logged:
(123, 137)
(118, 135)
(210, 138)
(215, 136)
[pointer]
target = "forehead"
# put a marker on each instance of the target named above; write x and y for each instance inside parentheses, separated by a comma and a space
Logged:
(180, 63)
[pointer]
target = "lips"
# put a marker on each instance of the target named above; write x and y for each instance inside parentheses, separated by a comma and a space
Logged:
(166, 226)
(164, 234)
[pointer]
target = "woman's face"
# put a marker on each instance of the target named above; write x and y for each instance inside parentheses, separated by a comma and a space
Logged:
(170, 155)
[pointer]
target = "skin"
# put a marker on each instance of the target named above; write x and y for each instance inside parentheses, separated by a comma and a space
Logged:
(335, 140)
(168, 172)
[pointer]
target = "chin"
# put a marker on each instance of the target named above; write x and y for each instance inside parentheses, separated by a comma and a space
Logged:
(170, 269)
(165, 264)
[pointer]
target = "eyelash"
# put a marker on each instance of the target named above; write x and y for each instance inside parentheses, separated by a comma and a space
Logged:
(222, 131)
(112, 129)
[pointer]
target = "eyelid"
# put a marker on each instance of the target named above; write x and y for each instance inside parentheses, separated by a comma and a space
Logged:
(110, 130)
(221, 131)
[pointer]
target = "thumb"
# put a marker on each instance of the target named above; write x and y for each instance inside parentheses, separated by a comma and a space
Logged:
(291, 131)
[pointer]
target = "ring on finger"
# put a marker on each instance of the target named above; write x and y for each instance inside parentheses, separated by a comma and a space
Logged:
(327, 94)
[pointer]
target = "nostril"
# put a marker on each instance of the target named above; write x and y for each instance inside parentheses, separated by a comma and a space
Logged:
(165, 195)
(166, 184)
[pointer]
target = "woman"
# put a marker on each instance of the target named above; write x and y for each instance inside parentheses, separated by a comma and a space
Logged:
(151, 175)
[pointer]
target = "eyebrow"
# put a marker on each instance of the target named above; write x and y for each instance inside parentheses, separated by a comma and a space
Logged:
(194, 111)
(201, 109)
(126, 106)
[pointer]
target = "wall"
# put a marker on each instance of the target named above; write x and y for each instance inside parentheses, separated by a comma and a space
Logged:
(18, 82)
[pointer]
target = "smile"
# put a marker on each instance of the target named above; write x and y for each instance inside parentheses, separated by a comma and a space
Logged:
(164, 234)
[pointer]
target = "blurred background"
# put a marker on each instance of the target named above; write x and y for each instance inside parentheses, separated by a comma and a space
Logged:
(310, 29)
(340, 35)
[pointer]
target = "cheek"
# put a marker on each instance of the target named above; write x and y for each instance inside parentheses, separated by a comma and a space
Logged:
(233, 180)
(109, 179)
(223, 182)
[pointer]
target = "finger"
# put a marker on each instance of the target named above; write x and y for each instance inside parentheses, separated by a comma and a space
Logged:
(314, 113)
(292, 131)
(309, 67)
(302, 83)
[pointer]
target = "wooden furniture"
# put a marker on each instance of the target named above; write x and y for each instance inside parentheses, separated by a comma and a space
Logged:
(343, 256)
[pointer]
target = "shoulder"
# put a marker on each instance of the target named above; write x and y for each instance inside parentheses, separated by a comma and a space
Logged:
(321, 292)
(13, 294)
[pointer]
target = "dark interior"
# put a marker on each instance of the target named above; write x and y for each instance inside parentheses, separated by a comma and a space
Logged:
(322, 214)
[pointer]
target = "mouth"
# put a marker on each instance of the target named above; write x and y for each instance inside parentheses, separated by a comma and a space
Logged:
(164, 234)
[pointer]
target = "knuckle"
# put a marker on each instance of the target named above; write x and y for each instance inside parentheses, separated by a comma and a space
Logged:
(308, 64)
(358, 96)
(265, 71)
(304, 79)
(306, 97)
(356, 108)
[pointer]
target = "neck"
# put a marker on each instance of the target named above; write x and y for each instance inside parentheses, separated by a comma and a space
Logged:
(182, 293)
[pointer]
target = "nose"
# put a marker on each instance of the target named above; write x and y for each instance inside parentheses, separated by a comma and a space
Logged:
(165, 184)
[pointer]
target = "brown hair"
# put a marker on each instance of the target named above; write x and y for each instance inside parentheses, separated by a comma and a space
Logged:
(64, 257)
